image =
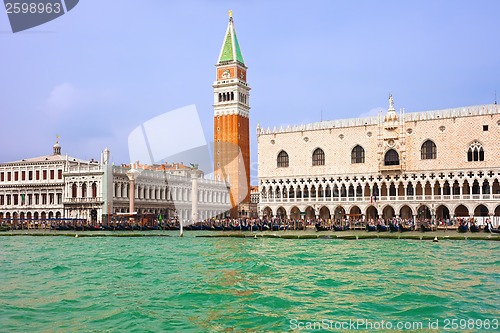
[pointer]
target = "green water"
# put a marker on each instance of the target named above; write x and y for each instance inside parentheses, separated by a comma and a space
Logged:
(171, 284)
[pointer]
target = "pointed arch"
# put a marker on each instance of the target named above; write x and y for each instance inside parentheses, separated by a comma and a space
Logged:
(391, 157)
(475, 152)
(318, 157)
(428, 150)
(283, 160)
(358, 155)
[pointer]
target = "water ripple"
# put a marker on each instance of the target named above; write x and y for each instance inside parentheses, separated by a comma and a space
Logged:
(238, 285)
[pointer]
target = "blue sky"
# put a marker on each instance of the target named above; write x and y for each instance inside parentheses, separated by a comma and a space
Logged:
(96, 73)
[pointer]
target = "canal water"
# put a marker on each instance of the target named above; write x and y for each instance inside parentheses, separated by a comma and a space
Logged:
(172, 284)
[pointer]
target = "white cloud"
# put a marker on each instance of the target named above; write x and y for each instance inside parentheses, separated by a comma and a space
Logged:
(61, 99)
(373, 112)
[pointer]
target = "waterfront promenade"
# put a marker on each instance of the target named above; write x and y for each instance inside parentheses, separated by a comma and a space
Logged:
(450, 234)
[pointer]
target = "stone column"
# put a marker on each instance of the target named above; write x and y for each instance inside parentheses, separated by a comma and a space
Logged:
(131, 176)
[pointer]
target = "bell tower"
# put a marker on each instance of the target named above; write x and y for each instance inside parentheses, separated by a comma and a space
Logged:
(231, 122)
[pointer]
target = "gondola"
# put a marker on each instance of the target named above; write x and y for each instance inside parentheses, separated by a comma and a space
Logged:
(393, 227)
(93, 228)
(254, 227)
(489, 228)
(371, 227)
(402, 228)
(265, 227)
(474, 228)
(462, 228)
(319, 227)
(382, 228)
(63, 227)
(340, 228)
(424, 228)
(195, 227)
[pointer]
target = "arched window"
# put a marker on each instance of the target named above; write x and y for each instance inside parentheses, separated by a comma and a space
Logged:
(232, 95)
(283, 159)
(94, 190)
(391, 157)
(73, 190)
(428, 150)
(220, 97)
(84, 190)
(318, 157)
(475, 152)
(358, 155)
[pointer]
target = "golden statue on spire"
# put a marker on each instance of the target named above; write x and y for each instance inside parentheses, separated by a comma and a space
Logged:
(230, 14)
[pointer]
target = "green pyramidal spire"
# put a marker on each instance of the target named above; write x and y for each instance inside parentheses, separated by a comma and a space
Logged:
(230, 48)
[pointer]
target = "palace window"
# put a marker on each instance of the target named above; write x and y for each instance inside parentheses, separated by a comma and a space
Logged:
(391, 157)
(318, 157)
(428, 150)
(51, 174)
(283, 161)
(358, 155)
(73, 190)
(475, 152)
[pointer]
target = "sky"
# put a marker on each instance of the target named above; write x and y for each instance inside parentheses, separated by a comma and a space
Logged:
(94, 74)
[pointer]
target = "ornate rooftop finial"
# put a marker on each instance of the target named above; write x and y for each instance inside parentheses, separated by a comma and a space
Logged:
(57, 147)
(391, 117)
(391, 102)
(230, 13)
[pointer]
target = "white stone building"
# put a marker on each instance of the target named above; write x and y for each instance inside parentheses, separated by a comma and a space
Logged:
(436, 164)
(60, 187)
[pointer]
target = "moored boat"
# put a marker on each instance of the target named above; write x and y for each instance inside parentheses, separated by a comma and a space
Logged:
(320, 227)
(382, 228)
(340, 228)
